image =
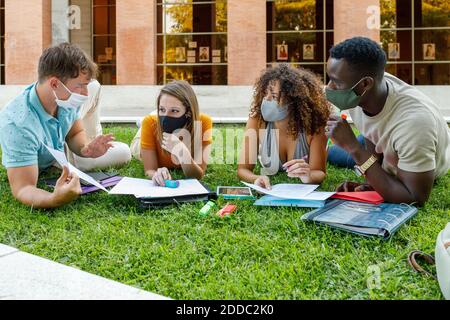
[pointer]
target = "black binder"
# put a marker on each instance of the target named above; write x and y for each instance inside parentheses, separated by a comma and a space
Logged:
(150, 202)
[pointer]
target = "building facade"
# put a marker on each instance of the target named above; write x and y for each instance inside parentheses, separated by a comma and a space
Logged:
(222, 42)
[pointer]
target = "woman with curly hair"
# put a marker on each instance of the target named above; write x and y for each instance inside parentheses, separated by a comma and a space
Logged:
(287, 122)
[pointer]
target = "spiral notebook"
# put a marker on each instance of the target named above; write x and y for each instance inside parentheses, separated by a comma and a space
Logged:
(381, 220)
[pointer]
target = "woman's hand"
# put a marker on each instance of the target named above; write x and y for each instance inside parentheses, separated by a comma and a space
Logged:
(172, 144)
(160, 175)
(298, 168)
(349, 186)
(263, 182)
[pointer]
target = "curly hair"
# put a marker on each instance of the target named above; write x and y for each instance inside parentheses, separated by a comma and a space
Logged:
(301, 91)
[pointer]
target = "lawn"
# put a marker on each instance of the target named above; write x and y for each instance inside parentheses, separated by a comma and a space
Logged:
(259, 253)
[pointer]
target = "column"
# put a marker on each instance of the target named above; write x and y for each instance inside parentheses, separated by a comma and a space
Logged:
(28, 31)
(356, 18)
(136, 42)
(246, 41)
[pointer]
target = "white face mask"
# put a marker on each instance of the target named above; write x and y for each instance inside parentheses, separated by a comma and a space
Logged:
(74, 101)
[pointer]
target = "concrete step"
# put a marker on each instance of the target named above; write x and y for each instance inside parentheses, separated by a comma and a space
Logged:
(25, 276)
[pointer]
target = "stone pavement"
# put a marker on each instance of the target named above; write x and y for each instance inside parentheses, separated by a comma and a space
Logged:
(27, 277)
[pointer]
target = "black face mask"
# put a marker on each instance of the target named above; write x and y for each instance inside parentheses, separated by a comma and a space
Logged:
(170, 124)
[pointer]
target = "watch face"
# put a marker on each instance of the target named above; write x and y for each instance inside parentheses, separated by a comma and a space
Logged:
(358, 171)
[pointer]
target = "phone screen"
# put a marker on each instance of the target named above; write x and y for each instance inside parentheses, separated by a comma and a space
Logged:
(238, 191)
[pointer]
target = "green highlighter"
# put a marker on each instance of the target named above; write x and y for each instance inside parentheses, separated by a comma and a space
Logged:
(207, 208)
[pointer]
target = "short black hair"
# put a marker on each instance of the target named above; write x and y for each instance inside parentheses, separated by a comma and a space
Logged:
(363, 55)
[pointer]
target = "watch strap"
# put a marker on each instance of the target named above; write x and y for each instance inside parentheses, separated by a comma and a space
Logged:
(366, 165)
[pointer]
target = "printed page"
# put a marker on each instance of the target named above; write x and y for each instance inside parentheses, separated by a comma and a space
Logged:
(287, 191)
(60, 157)
(316, 195)
(145, 188)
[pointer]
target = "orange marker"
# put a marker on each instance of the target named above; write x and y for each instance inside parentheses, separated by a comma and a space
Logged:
(343, 116)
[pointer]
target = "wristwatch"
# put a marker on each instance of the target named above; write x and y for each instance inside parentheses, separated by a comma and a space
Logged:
(361, 170)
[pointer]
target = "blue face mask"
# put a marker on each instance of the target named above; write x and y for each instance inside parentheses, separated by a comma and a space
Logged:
(271, 112)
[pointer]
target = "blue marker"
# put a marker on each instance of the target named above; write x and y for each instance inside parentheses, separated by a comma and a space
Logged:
(171, 184)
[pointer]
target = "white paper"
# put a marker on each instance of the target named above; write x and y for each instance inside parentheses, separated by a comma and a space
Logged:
(316, 195)
(60, 157)
(86, 177)
(286, 191)
(146, 188)
(131, 186)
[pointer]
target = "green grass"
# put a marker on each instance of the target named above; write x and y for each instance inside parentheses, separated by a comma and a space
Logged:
(259, 253)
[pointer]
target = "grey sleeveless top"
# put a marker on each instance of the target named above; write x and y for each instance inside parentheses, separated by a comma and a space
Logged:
(269, 156)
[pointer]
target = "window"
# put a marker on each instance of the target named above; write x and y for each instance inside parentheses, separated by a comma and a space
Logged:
(104, 39)
(416, 37)
(192, 41)
(300, 33)
(2, 41)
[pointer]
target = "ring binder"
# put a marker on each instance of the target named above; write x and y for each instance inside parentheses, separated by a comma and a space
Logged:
(364, 219)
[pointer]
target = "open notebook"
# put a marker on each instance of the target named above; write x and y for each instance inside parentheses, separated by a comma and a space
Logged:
(380, 220)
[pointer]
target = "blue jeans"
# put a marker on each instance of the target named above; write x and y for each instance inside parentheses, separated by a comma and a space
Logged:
(341, 158)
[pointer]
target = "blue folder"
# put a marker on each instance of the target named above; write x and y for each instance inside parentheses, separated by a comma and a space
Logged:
(272, 201)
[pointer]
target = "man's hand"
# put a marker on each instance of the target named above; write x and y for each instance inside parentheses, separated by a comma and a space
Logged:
(341, 133)
(67, 188)
(172, 144)
(98, 147)
(349, 186)
(160, 175)
(263, 182)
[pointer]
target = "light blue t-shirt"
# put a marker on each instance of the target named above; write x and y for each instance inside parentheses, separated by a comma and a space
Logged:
(25, 127)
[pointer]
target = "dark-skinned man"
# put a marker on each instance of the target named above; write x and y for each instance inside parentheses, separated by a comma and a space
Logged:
(407, 141)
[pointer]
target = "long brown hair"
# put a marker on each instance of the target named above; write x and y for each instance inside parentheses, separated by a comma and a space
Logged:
(301, 91)
(182, 91)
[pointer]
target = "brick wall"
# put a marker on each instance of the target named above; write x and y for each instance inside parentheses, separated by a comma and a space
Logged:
(352, 19)
(246, 41)
(136, 42)
(28, 32)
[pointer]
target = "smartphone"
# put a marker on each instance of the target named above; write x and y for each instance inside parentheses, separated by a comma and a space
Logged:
(235, 192)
